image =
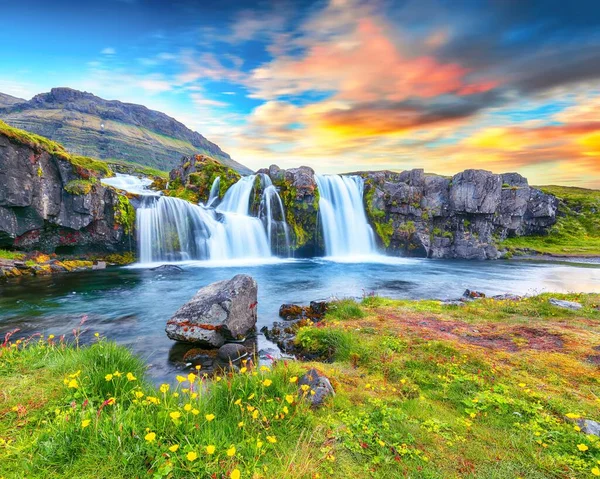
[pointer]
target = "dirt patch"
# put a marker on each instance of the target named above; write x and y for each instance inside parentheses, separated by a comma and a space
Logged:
(497, 336)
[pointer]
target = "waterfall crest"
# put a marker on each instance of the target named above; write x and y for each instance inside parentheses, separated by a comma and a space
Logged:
(346, 231)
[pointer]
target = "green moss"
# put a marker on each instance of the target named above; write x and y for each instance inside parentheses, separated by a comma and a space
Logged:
(409, 228)
(137, 168)
(383, 228)
(14, 255)
(80, 187)
(125, 214)
(577, 230)
(385, 231)
(88, 167)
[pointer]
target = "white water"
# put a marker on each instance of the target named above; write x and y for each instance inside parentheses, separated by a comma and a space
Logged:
(173, 230)
(132, 184)
(273, 214)
(342, 216)
(214, 191)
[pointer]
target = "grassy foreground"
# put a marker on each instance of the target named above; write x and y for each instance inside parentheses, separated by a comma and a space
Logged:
(577, 230)
(423, 390)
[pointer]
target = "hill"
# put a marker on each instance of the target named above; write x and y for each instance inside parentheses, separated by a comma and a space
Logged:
(108, 129)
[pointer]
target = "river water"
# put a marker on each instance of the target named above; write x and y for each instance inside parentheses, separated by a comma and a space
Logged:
(131, 305)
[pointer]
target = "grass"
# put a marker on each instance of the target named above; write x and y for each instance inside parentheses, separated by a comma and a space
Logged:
(138, 168)
(577, 231)
(423, 390)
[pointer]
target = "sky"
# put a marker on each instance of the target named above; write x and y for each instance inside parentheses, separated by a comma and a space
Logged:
(338, 85)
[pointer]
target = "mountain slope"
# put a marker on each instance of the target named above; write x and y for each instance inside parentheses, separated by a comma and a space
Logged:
(7, 100)
(88, 125)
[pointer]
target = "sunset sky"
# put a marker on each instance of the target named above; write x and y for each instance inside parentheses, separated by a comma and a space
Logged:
(344, 85)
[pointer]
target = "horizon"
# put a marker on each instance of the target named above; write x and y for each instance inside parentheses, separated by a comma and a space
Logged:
(339, 86)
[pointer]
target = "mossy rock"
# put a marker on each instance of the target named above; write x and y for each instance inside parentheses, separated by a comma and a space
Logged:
(79, 187)
(125, 214)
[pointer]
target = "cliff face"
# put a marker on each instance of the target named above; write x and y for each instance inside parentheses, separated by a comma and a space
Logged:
(91, 126)
(462, 217)
(53, 202)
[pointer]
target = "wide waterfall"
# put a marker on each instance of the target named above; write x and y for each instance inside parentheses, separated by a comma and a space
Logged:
(170, 229)
(342, 215)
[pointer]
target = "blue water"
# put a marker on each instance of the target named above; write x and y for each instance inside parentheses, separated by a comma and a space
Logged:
(131, 305)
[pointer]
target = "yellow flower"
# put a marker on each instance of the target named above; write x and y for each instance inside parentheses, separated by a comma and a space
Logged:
(250, 408)
(73, 384)
(294, 379)
(198, 367)
(582, 447)
(85, 423)
(152, 399)
(236, 474)
(259, 444)
(174, 448)
(117, 374)
(195, 412)
(75, 375)
(572, 415)
(522, 385)
(243, 370)
(180, 379)
(596, 471)
(139, 394)
(231, 451)
(241, 424)
(251, 397)
(218, 378)
(192, 377)
(97, 335)
(238, 402)
(267, 382)
(151, 436)
(289, 398)
(130, 377)
(255, 414)
(272, 439)
(194, 395)
(265, 369)
(111, 401)
(164, 388)
(286, 410)
(304, 387)
(51, 336)
(381, 443)
(175, 415)
(209, 417)
(175, 395)
(108, 377)
(187, 407)
(191, 456)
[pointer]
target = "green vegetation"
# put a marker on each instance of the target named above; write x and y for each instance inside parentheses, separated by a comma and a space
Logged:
(490, 389)
(80, 187)
(125, 214)
(12, 255)
(577, 231)
(136, 168)
(383, 228)
(301, 217)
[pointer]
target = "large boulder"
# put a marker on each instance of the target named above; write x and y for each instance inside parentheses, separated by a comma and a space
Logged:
(217, 312)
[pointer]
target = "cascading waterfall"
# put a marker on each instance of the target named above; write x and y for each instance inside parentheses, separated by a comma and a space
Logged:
(170, 229)
(342, 215)
(273, 214)
(214, 191)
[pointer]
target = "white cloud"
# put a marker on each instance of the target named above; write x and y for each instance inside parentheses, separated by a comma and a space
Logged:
(108, 51)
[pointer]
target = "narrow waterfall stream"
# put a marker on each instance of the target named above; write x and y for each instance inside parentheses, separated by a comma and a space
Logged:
(346, 230)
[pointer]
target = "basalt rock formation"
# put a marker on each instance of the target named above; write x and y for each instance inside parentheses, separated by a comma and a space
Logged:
(54, 202)
(460, 217)
(88, 125)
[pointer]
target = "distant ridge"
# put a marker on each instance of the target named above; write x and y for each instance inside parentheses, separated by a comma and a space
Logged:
(109, 129)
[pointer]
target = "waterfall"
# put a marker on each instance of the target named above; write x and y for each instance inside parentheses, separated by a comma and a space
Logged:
(129, 183)
(214, 191)
(273, 214)
(342, 215)
(170, 229)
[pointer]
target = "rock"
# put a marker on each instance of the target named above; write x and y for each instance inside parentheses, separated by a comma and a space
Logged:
(318, 383)
(168, 268)
(231, 352)
(559, 303)
(315, 311)
(472, 294)
(507, 297)
(99, 265)
(454, 302)
(589, 427)
(291, 311)
(318, 309)
(217, 312)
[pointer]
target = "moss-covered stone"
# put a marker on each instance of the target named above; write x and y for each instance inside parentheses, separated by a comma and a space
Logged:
(125, 214)
(80, 187)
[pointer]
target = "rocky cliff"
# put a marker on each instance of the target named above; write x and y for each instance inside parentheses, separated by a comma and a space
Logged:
(460, 217)
(53, 201)
(88, 125)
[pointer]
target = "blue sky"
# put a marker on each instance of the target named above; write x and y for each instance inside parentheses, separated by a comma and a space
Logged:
(338, 85)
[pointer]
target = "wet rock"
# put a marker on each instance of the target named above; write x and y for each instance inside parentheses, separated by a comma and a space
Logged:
(315, 311)
(313, 381)
(559, 303)
(291, 311)
(219, 311)
(231, 352)
(472, 294)
(318, 308)
(167, 268)
(99, 265)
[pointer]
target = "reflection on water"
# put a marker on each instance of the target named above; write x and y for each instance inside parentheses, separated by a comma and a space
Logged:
(132, 305)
